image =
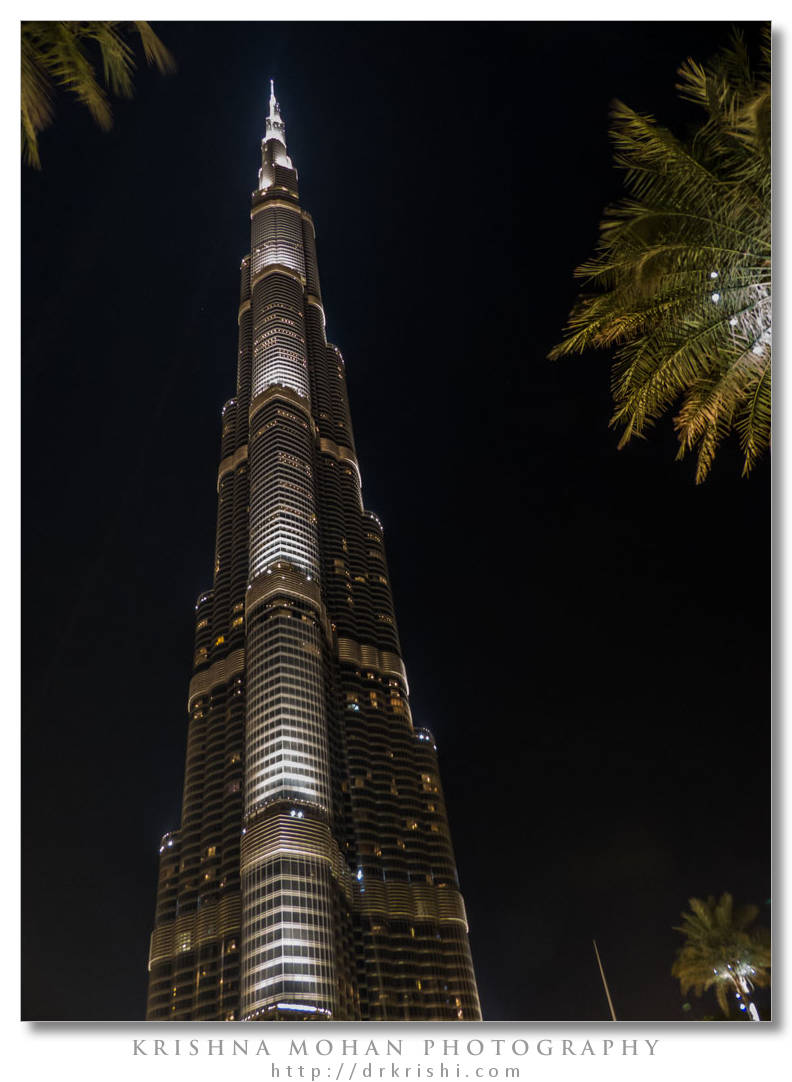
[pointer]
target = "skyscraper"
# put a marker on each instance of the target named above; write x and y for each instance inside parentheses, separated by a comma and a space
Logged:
(312, 876)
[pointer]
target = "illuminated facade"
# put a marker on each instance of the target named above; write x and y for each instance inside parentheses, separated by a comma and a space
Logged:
(313, 875)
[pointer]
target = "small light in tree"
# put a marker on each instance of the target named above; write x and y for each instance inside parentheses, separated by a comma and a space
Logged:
(715, 298)
(713, 274)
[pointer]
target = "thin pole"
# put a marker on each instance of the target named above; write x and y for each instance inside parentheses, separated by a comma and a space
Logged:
(604, 982)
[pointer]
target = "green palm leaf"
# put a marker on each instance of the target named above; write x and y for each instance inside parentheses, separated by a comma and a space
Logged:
(59, 54)
(679, 288)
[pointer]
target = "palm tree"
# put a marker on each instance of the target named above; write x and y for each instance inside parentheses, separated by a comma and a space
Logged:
(56, 52)
(679, 285)
(721, 952)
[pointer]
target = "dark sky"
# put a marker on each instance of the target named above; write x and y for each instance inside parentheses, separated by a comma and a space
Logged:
(585, 630)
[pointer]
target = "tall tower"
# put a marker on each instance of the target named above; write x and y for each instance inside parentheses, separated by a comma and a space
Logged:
(313, 875)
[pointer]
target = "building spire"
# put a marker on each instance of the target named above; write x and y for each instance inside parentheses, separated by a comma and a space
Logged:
(273, 145)
(276, 129)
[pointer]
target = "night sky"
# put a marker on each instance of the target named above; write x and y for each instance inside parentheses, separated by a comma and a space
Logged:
(585, 630)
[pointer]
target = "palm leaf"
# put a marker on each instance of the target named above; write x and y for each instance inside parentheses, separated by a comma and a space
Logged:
(36, 102)
(679, 285)
(153, 49)
(58, 54)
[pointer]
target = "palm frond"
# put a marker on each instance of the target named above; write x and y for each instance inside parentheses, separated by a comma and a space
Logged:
(154, 51)
(36, 102)
(58, 54)
(70, 68)
(118, 61)
(679, 285)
